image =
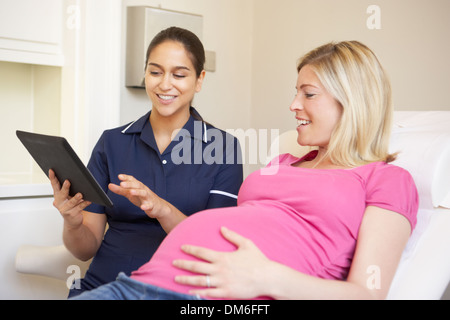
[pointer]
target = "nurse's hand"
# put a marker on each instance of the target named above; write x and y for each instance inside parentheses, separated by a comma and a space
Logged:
(71, 208)
(140, 195)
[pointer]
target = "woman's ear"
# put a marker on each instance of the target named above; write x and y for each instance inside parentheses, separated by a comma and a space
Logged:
(200, 81)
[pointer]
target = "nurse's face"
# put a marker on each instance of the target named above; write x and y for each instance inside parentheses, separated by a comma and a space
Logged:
(170, 79)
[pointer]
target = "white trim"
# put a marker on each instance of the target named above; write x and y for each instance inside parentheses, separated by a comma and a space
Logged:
(25, 190)
(125, 130)
(205, 136)
(224, 193)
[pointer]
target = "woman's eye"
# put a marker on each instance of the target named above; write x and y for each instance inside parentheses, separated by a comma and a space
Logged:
(309, 95)
(179, 76)
(154, 73)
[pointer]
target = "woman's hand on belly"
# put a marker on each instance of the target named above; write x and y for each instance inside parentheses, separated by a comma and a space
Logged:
(238, 274)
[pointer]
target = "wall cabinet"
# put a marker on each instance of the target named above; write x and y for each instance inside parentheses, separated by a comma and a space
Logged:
(31, 57)
(31, 31)
(76, 98)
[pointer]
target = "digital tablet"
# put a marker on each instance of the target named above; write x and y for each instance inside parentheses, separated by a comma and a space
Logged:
(51, 152)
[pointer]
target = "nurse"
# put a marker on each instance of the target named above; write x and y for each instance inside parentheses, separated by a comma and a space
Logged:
(157, 170)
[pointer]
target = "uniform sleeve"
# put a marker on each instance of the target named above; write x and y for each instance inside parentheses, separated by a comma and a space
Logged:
(228, 180)
(393, 188)
(98, 167)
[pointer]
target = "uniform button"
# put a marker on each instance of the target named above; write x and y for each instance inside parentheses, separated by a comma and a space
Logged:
(164, 161)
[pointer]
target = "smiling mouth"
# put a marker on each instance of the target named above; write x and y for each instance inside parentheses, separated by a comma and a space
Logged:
(303, 122)
(166, 97)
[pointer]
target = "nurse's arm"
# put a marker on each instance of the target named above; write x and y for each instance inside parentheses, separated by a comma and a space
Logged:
(82, 231)
(84, 240)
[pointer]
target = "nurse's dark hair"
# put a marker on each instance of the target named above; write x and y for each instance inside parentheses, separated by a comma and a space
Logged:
(188, 39)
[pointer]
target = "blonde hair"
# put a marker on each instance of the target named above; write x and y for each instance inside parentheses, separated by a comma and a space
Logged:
(351, 72)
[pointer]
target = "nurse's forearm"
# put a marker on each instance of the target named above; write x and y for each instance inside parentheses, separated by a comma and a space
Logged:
(83, 240)
(80, 242)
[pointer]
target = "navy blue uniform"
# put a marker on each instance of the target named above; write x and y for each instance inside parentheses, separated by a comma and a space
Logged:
(200, 169)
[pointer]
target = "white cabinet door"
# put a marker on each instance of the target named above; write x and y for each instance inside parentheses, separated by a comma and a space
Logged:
(31, 31)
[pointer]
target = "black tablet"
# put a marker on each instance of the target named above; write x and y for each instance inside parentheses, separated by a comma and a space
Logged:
(55, 153)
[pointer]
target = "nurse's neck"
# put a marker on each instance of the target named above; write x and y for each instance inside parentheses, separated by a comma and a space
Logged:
(165, 127)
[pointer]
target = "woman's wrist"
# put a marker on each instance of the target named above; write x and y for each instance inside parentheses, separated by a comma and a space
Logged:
(269, 280)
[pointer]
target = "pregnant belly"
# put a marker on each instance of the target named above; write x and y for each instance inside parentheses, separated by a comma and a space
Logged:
(271, 229)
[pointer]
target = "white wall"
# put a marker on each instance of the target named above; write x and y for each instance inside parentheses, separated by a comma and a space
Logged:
(257, 44)
(413, 44)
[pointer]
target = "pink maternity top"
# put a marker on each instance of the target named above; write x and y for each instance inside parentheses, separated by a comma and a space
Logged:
(307, 219)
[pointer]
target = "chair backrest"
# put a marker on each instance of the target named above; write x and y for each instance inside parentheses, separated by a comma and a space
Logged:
(423, 139)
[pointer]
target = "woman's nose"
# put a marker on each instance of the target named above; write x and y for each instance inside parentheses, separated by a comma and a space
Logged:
(296, 105)
(166, 83)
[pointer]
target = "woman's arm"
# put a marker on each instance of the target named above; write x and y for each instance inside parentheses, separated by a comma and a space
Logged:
(154, 206)
(246, 273)
(82, 231)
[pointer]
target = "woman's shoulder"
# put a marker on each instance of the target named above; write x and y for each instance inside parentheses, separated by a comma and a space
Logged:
(383, 170)
(387, 178)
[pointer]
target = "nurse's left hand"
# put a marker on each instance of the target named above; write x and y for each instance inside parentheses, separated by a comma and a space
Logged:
(141, 196)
